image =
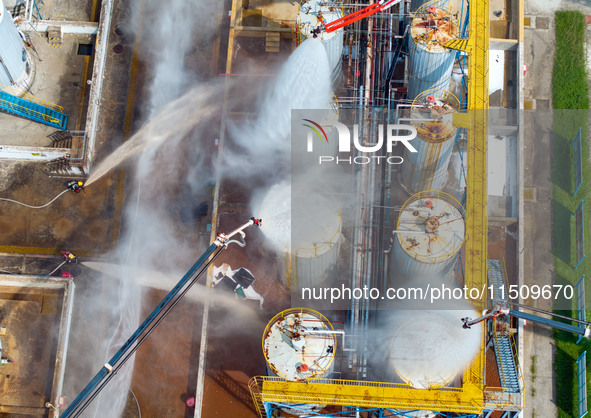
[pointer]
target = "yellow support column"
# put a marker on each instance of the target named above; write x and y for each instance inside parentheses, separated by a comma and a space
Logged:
(477, 171)
(477, 193)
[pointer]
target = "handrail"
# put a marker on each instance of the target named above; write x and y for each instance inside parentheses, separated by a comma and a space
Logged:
(257, 398)
(515, 360)
(32, 98)
(347, 382)
(499, 359)
(31, 112)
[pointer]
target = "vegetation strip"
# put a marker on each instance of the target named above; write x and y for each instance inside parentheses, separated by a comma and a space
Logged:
(570, 100)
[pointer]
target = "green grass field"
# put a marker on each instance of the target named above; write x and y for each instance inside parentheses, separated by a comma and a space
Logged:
(570, 96)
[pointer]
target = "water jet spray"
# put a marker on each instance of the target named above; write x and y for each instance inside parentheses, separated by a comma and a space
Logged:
(110, 368)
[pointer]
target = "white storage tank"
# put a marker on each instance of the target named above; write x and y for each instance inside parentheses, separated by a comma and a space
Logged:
(310, 249)
(429, 348)
(310, 16)
(430, 64)
(299, 344)
(431, 115)
(14, 64)
(436, 227)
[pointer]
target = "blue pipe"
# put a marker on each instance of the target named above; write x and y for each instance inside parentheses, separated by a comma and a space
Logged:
(37, 8)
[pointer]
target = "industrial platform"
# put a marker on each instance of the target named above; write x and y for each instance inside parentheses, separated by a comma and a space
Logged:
(113, 67)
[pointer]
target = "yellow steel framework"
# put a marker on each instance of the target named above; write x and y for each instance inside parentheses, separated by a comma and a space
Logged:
(470, 397)
(363, 394)
(476, 122)
(459, 44)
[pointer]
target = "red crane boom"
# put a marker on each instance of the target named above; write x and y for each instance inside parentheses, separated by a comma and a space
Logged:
(372, 9)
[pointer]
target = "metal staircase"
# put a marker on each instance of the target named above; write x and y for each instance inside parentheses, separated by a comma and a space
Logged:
(496, 275)
(34, 109)
(61, 139)
(272, 41)
(506, 365)
(504, 354)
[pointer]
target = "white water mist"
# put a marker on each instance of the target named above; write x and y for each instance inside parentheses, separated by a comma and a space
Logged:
(303, 82)
(176, 107)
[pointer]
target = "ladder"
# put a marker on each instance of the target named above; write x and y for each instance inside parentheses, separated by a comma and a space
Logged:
(508, 368)
(272, 41)
(497, 277)
(506, 365)
(43, 112)
(54, 36)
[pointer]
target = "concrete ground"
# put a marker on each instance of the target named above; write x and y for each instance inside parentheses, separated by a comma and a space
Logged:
(35, 313)
(88, 222)
(31, 317)
(72, 10)
(540, 392)
(538, 268)
(59, 77)
(79, 222)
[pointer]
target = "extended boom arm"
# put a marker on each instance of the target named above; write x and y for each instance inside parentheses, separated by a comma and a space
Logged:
(502, 309)
(103, 377)
(372, 9)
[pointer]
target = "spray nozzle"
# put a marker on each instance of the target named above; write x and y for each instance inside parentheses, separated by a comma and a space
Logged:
(224, 239)
(75, 186)
(69, 257)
